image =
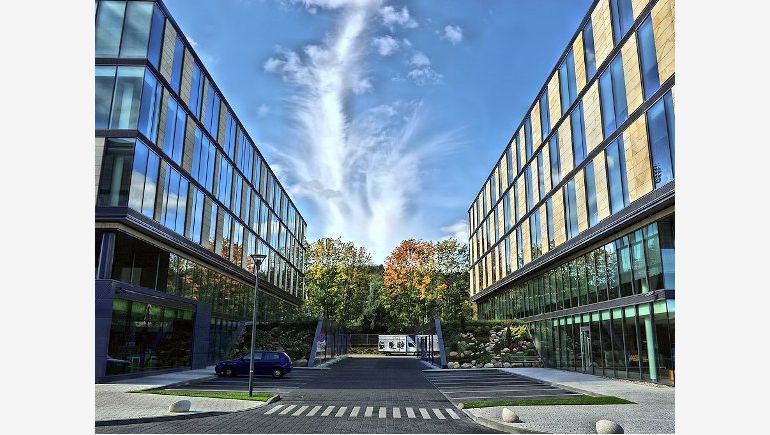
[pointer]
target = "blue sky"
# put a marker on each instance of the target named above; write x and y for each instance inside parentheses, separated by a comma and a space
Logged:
(381, 118)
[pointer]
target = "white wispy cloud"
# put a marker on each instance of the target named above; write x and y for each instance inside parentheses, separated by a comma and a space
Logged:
(362, 170)
(453, 34)
(419, 59)
(386, 45)
(391, 16)
(263, 110)
(458, 230)
(425, 76)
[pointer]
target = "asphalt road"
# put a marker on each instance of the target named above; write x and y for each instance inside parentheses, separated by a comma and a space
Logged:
(357, 395)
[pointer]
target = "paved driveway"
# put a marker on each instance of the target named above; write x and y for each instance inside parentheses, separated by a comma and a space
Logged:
(357, 395)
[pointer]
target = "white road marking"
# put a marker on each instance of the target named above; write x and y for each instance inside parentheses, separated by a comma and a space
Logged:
(369, 411)
(354, 412)
(439, 414)
(341, 411)
(313, 411)
(327, 411)
(452, 414)
(287, 409)
(274, 408)
(410, 413)
(383, 412)
(424, 413)
(396, 412)
(300, 410)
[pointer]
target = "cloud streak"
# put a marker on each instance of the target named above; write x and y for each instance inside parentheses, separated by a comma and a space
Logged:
(361, 169)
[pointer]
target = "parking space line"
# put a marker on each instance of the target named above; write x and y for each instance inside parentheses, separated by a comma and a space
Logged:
(452, 414)
(287, 409)
(410, 413)
(369, 411)
(498, 390)
(274, 408)
(313, 411)
(327, 411)
(341, 411)
(439, 414)
(354, 412)
(424, 413)
(519, 396)
(396, 412)
(383, 412)
(300, 410)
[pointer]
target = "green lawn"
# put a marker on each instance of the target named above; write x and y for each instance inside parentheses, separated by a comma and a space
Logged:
(213, 394)
(585, 400)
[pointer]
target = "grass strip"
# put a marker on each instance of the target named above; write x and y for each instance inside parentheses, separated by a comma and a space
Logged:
(586, 400)
(263, 397)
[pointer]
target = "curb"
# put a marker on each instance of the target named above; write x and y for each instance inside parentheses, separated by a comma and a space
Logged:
(498, 425)
(125, 421)
(562, 386)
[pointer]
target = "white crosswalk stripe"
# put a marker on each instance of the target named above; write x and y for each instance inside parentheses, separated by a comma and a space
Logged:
(341, 411)
(439, 414)
(300, 410)
(369, 411)
(274, 408)
(327, 411)
(452, 414)
(410, 413)
(287, 409)
(424, 413)
(314, 411)
(396, 412)
(383, 412)
(354, 412)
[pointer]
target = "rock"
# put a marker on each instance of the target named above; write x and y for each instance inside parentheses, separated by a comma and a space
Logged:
(452, 353)
(467, 365)
(488, 365)
(461, 405)
(479, 366)
(507, 365)
(498, 365)
(510, 417)
(184, 406)
(608, 426)
(300, 363)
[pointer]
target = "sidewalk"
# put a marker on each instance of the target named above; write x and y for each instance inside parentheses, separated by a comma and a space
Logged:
(652, 412)
(115, 402)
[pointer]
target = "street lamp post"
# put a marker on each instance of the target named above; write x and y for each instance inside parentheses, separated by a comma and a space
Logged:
(257, 261)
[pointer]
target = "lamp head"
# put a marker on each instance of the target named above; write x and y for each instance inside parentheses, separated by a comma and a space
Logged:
(258, 258)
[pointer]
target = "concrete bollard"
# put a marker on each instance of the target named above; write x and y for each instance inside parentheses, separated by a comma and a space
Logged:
(509, 416)
(180, 406)
(608, 426)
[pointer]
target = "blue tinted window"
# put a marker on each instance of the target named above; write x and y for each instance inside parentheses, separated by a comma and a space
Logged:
(612, 93)
(519, 248)
(509, 164)
(136, 29)
(549, 219)
(237, 192)
(570, 209)
(590, 182)
(518, 156)
(176, 66)
(126, 99)
(516, 198)
(588, 45)
(648, 58)
(212, 111)
(109, 22)
(144, 180)
(196, 90)
(507, 211)
(156, 36)
(173, 139)
(204, 155)
(528, 187)
(660, 124)
(149, 112)
(579, 150)
(224, 189)
(540, 176)
(507, 255)
(174, 205)
(553, 154)
(104, 88)
(196, 217)
(622, 18)
(567, 82)
(534, 229)
(545, 122)
(230, 127)
(528, 137)
(616, 175)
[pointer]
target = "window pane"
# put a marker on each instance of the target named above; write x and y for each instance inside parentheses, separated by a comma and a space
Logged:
(528, 137)
(570, 209)
(136, 29)
(149, 112)
(104, 88)
(661, 145)
(115, 179)
(648, 58)
(136, 194)
(588, 45)
(150, 184)
(109, 22)
(619, 90)
(176, 67)
(126, 99)
(156, 36)
(553, 154)
(578, 134)
(616, 175)
(593, 213)
(540, 176)
(545, 123)
(607, 102)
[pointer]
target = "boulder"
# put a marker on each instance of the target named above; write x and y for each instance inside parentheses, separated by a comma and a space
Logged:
(184, 406)
(507, 365)
(467, 365)
(452, 353)
(479, 366)
(488, 365)
(509, 416)
(608, 426)
(498, 365)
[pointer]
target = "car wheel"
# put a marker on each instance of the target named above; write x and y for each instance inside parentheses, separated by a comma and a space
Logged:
(229, 372)
(277, 373)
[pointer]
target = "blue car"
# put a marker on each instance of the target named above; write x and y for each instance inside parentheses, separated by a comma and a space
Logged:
(266, 362)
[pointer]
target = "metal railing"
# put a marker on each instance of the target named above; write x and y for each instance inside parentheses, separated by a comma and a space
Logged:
(364, 340)
(331, 341)
(430, 343)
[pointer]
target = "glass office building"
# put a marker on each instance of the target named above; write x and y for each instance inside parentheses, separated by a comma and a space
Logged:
(573, 231)
(183, 198)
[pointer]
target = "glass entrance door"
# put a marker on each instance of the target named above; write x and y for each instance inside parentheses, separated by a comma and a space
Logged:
(585, 348)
